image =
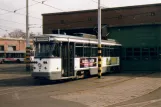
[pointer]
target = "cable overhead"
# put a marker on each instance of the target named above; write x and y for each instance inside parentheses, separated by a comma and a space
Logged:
(9, 27)
(29, 6)
(19, 13)
(97, 3)
(12, 21)
(3, 29)
(25, 7)
(48, 5)
(4, 13)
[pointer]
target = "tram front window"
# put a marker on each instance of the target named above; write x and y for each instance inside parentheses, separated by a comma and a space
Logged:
(47, 50)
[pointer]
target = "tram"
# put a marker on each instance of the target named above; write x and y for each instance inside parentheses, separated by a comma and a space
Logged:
(64, 56)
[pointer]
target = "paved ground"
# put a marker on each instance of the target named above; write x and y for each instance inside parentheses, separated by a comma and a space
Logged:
(134, 89)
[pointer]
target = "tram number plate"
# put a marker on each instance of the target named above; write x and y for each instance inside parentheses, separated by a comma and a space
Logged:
(42, 39)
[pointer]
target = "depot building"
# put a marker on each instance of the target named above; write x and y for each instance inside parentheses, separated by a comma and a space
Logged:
(137, 28)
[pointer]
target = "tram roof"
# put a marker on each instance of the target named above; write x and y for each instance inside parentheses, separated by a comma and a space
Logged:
(69, 38)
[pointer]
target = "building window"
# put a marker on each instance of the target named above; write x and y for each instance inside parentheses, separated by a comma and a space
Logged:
(152, 13)
(89, 19)
(1, 48)
(129, 53)
(11, 48)
(120, 17)
(62, 22)
(137, 54)
(145, 53)
(153, 53)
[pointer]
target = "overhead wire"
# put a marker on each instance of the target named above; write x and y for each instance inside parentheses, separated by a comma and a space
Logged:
(97, 3)
(28, 6)
(19, 13)
(4, 30)
(4, 13)
(12, 21)
(48, 5)
(25, 7)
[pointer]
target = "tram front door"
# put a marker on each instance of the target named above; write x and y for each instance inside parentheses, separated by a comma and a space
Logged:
(67, 59)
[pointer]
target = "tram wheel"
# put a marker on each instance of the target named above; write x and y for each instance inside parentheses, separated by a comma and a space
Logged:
(87, 74)
(18, 61)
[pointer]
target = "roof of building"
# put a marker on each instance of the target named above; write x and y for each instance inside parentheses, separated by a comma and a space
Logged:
(105, 9)
(8, 38)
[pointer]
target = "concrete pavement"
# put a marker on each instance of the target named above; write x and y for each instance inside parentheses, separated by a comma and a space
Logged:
(18, 89)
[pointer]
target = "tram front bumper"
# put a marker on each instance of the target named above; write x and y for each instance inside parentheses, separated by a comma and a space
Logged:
(47, 75)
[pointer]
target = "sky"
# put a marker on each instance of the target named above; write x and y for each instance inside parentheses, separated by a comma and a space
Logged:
(10, 20)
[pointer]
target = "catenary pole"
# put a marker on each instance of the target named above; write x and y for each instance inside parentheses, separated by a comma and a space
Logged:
(27, 38)
(99, 41)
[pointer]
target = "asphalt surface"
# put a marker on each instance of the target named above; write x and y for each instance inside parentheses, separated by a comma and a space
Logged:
(18, 89)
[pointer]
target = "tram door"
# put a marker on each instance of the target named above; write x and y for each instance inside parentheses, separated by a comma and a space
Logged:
(68, 59)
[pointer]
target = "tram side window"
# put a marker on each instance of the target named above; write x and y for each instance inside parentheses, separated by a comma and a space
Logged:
(56, 51)
(94, 50)
(87, 50)
(1, 55)
(9, 55)
(79, 50)
(22, 55)
(112, 51)
(107, 51)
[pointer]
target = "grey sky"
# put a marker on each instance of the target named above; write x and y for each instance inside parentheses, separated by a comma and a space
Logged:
(38, 9)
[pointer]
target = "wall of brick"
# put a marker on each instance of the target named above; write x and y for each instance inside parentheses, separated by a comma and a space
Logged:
(20, 44)
(124, 16)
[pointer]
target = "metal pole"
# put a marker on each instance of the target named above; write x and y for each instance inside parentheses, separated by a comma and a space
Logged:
(27, 38)
(27, 25)
(99, 41)
(58, 31)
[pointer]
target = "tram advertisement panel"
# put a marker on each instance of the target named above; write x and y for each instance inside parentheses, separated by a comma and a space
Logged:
(111, 60)
(87, 62)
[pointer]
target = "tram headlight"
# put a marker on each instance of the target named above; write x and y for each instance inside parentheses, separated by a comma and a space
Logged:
(39, 64)
(45, 62)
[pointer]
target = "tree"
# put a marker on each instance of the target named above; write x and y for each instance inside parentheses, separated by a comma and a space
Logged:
(18, 33)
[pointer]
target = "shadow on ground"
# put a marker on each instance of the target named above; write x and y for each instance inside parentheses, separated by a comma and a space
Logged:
(27, 80)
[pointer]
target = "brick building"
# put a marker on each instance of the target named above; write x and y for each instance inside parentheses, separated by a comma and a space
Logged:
(137, 28)
(13, 44)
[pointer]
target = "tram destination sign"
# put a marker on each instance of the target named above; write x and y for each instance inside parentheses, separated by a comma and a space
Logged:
(40, 39)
